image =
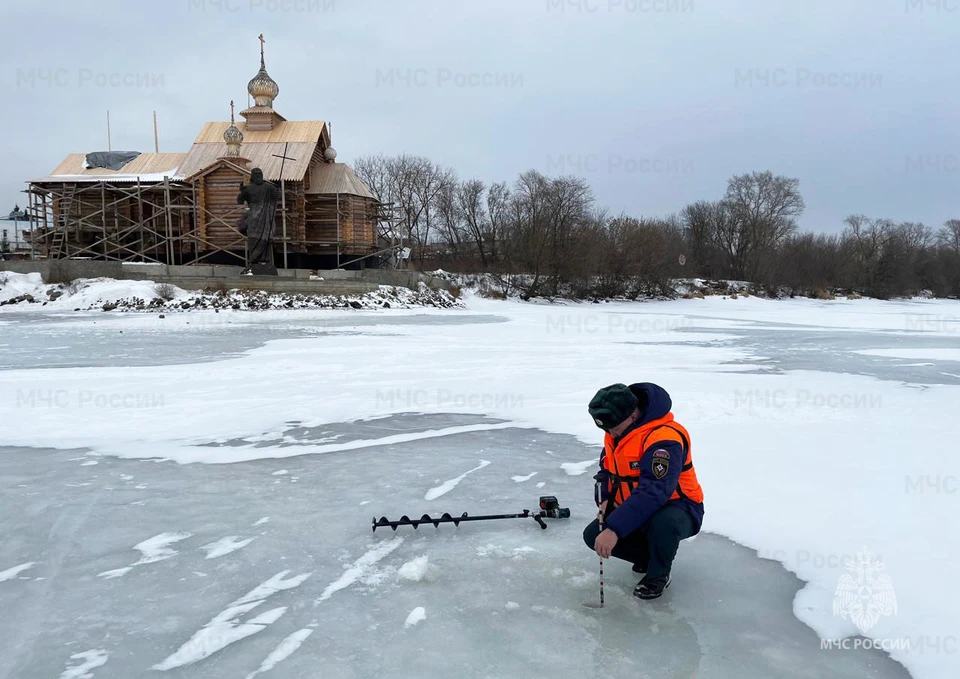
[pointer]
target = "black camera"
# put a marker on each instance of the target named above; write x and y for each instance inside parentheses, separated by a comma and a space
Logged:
(551, 509)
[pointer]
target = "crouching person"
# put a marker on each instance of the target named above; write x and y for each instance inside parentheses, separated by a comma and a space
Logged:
(648, 493)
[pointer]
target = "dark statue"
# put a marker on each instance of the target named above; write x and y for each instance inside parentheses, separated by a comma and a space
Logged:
(258, 223)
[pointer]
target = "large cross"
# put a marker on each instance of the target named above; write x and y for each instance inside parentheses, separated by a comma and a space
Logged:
(283, 158)
(261, 47)
(231, 111)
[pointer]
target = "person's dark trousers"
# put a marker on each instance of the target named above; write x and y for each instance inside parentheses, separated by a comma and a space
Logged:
(654, 544)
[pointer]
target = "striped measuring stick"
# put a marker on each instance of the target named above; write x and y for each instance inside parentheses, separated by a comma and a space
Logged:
(601, 570)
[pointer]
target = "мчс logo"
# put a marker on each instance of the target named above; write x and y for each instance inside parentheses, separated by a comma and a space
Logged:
(864, 595)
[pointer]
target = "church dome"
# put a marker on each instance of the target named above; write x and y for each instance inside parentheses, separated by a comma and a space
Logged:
(262, 87)
(233, 135)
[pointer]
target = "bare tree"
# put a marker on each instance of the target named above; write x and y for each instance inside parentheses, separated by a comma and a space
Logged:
(949, 236)
(762, 212)
(374, 171)
(429, 182)
(377, 173)
(471, 209)
(449, 226)
(411, 184)
(498, 206)
(703, 224)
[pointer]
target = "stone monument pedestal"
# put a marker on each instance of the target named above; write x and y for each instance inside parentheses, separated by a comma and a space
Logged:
(263, 270)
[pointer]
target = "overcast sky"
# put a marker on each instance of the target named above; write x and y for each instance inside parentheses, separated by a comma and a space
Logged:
(656, 102)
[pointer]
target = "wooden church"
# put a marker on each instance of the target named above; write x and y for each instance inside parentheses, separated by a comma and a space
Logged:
(181, 208)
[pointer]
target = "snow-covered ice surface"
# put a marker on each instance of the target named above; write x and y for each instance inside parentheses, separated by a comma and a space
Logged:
(809, 452)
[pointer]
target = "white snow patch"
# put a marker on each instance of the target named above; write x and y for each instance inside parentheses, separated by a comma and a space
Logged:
(447, 486)
(86, 661)
(157, 548)
(284, 650)
(225, 628)
(512, 605)
(416, 615)
(360, 567)
(153, 550)
(115, 573)
(11, 573)
(262, 521)
(521, 479)
(541, 484)
(415, 570)
(280, 472)
(578, 468)
(225, 546)
(89, 463)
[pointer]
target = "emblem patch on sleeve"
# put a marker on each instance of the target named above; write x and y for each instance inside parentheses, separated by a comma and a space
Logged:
(660, 467)
(661, 453)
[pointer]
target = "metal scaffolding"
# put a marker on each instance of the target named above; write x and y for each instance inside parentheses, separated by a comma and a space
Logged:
(157, 222)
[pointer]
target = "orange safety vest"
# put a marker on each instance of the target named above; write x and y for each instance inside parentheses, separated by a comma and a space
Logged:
(623, 463)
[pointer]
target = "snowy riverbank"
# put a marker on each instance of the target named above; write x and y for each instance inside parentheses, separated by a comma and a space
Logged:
(106, 294)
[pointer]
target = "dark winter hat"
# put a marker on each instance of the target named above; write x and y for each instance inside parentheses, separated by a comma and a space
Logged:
(612, 405)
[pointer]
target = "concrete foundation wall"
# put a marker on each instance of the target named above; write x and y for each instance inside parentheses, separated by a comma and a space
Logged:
(200, 276)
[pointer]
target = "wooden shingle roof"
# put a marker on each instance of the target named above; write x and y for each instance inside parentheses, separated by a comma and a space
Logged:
(146, 167)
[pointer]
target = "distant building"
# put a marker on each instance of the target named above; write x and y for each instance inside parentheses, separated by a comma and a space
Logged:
(13, 239)
(181, 208)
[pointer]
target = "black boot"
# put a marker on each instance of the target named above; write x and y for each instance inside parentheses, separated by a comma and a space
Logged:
(641, 569)
(651, 589)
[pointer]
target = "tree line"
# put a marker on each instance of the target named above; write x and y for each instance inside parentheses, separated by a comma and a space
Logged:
(546, 236)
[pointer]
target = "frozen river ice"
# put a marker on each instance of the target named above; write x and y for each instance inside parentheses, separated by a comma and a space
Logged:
(498, 597)
(118, 568)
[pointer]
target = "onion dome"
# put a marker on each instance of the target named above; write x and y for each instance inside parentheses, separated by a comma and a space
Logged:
(232, 136)
(262, 87)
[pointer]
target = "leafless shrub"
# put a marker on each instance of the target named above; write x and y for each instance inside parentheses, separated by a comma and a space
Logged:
(165, 291)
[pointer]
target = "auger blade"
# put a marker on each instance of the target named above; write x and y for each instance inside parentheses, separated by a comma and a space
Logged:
(448, 518)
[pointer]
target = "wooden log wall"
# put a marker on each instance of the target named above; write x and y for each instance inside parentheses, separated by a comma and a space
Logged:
(218, 198)
(358, 223)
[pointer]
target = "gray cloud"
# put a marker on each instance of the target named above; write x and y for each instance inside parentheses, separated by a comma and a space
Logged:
(656, 102)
